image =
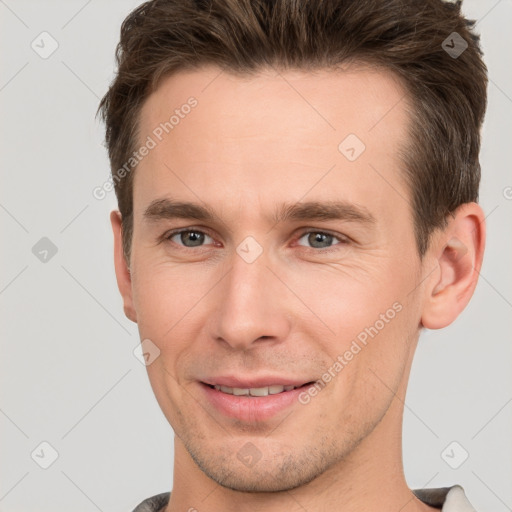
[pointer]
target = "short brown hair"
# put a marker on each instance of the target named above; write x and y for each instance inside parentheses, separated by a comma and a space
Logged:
(411, 38)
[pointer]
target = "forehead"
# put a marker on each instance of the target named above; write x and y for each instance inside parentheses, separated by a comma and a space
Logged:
(274, 131)
(358, 97)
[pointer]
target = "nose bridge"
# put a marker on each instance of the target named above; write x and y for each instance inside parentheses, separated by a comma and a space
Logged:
(251, 304)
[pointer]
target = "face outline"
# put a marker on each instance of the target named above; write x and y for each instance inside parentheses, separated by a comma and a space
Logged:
(249, 146)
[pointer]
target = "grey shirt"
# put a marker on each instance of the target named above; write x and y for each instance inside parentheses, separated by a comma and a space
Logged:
(448, 499)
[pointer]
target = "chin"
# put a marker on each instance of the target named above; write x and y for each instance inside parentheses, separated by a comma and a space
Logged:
(262, 483)
(271, 474)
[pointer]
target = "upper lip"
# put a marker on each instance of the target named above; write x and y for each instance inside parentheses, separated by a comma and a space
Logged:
(254, 382)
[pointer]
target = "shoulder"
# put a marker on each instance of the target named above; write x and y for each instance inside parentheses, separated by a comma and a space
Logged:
(153, 504)
(449, 499)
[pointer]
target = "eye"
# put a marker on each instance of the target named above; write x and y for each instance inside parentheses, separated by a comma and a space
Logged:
(189, 238)
(192, 238)
(321, 239)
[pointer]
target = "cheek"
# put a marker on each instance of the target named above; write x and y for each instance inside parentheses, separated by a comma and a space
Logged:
(345, 302)
(153, 301)
(164, 305)
(370, 366)
(173, 303)
(364, 324)
(163, 295)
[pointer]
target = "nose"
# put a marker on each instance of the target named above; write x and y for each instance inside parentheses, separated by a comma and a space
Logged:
(253, 305)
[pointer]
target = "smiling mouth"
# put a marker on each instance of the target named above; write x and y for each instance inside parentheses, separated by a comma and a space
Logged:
(256, 392)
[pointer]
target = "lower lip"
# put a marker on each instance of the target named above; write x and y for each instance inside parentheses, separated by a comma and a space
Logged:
(252, 408)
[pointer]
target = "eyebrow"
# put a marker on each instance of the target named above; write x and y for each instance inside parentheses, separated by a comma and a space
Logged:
(166, 209)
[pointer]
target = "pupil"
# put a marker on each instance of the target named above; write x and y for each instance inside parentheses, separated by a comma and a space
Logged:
(194, 237)
(318, 237)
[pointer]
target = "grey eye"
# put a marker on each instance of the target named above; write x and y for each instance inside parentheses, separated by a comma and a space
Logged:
(319, 239)
(190, 238)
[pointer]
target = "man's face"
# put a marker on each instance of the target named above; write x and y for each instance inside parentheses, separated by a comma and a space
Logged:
(253, 298)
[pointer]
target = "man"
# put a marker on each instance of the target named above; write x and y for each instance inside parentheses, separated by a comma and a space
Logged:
(297, 186)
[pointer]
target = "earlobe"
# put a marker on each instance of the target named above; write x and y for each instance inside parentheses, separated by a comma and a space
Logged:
(458, 252)
(124, 281)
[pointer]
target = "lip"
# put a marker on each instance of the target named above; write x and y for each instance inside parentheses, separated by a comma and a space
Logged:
(255, 382)
(252, 409)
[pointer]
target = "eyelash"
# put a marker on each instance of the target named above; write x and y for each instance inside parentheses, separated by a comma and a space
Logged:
(343, 240)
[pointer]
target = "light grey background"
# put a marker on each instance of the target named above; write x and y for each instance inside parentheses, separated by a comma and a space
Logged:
(68, 373)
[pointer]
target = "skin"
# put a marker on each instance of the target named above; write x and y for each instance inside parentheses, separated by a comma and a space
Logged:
(249, 145)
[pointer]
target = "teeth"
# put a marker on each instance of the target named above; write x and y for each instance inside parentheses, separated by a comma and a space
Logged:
(269, 390)
(258, 391)
(273, 390)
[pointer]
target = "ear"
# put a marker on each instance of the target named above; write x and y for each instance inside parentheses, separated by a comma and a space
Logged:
(124, 280)
(458, 252)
